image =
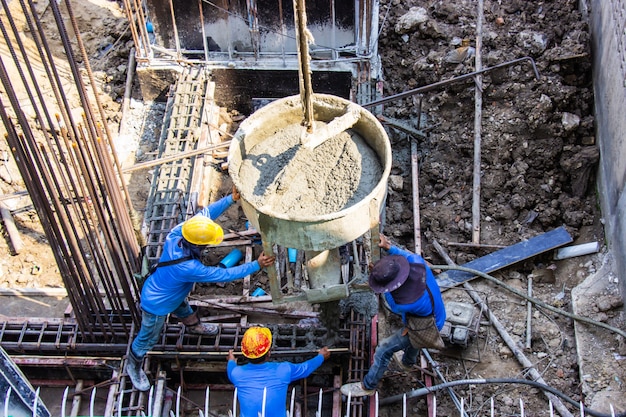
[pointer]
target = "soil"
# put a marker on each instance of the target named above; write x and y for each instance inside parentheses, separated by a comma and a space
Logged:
(537, 170)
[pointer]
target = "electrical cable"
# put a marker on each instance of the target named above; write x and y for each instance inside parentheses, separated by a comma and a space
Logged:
(533, 300)
(424, 391)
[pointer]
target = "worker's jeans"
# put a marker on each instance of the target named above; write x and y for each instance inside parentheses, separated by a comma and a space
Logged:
(384, 353)
(151, 326)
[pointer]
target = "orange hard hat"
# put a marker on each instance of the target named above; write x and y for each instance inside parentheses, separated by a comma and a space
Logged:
(200, 230)
(256, 342)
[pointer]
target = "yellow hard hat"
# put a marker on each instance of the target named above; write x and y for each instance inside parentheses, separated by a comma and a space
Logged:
(200, 230)
(256, 342)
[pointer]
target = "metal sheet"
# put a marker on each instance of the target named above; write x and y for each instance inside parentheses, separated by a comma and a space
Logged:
(507, 256)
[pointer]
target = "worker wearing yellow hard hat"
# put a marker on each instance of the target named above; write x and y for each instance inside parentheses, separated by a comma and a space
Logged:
(165, 290)
(202, 231)
(260, 380)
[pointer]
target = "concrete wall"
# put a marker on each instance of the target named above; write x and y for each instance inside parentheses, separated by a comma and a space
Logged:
(608, 27)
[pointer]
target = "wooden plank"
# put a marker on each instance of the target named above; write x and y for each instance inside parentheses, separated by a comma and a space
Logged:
(507, 256)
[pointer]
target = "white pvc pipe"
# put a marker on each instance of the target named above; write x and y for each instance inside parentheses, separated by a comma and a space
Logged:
(64, 401)
(319, 405)
(6, 402)
(577, 250)
(35, 402)
(92, 401)
(206, 402)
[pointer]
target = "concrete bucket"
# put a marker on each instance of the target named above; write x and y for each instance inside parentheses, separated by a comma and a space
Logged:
(312, 198)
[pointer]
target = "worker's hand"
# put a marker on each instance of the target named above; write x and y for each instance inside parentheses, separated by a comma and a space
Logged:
(265, 260)
(231, 356)
(384, 242)
(235, 194)
(324, 352)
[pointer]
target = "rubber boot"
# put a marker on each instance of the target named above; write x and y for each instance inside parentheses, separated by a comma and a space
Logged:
(135, 372)
(194, 325)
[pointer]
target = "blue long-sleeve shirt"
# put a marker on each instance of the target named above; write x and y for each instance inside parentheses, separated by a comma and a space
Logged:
(167, 287)
(251, 379)
(422, 306)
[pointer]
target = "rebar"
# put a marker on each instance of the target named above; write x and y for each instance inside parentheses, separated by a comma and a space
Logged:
(444, 83)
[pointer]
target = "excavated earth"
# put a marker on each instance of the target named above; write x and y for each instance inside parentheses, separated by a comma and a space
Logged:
(538, 164)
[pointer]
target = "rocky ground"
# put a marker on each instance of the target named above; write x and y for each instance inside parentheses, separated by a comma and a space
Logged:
(537, 173)
(537, 168)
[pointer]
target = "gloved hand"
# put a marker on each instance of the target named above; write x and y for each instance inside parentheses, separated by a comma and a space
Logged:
(235, 194)
(265, 260)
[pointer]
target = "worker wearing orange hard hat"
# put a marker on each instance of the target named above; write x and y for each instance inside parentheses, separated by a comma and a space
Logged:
(165, 290)
(259, 378)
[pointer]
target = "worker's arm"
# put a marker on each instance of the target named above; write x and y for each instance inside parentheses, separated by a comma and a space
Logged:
(304, 369)
(216, 209)
(230, 367)
(196, 271)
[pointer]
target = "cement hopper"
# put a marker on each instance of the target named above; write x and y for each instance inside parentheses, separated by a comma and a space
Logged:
(310, 198)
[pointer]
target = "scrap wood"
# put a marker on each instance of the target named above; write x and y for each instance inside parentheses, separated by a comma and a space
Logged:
(475, 245)
(226, 243)
(506, 257)
(172, 158)
(221, 317)
(417, 233)
(294, 314)
(11, 228)
(400, 125)
(529, 314)
(235, 233)
(244, 300)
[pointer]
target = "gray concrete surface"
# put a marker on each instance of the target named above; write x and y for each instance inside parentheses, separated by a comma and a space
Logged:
(28, 306)
(607, 22)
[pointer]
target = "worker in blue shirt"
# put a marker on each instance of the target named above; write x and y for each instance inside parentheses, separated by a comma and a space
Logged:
(411, 291)
(259, 376)
(165, 290)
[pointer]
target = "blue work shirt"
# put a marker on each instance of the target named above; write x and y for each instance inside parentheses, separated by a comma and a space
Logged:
(168, 286)
(251, 379)
(422, 306)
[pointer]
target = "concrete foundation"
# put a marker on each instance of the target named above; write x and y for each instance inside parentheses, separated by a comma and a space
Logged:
(608, 24)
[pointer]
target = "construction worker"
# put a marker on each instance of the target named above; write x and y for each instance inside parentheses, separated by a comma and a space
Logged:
(411, 291)
(260, 379)
(166, 289)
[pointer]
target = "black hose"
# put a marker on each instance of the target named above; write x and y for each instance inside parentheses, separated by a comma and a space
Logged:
(424, 391)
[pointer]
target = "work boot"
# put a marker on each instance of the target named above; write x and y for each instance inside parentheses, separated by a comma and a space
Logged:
(397, 357)
(195, 326)
(135, 372)
(356, 389)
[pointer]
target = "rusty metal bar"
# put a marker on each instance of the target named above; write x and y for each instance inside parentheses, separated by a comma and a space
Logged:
(69, 171)
(176, 37)
(304, 68)
(440, 84)
(478, 114)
